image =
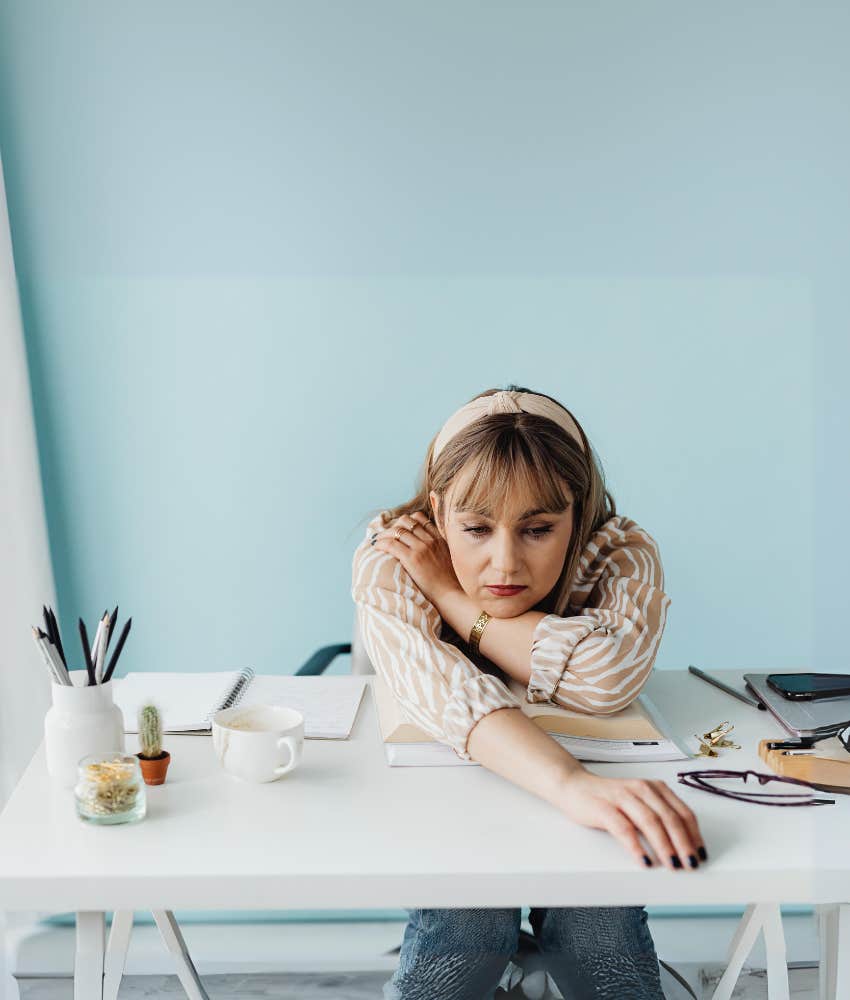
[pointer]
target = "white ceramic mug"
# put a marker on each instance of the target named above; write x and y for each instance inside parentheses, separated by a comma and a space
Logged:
(258, 742)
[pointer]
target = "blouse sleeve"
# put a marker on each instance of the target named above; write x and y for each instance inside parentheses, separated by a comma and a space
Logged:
(598, 659)
(441, 690)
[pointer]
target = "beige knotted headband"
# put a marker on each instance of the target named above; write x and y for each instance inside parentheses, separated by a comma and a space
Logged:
(506, 401)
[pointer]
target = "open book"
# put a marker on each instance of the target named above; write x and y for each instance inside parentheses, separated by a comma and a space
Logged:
(187, 702)
(637, 733)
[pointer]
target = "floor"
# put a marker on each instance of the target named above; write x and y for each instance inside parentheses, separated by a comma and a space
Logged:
(367, 986)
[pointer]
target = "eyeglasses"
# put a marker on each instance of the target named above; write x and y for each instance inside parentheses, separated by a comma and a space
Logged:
(703, 780)
(844, 737)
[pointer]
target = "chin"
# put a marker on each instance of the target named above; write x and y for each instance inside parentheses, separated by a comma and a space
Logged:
(507, 607)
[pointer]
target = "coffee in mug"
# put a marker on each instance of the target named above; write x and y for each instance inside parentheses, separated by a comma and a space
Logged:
(259, 742)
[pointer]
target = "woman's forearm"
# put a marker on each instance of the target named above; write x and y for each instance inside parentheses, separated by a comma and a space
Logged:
(505, 642)
(508, 743)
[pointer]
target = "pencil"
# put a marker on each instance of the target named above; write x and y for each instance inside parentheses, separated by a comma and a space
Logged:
(51, 652)
(117, 652)
(96, 645)
(48, 625)
(47, 661)
(84, 636)
(112, 619)
(58, 638)
(101, 646)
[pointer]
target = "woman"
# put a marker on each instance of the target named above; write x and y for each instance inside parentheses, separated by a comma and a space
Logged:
(511, 562)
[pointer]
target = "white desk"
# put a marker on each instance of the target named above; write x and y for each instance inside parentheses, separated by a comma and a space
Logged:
(347, 831)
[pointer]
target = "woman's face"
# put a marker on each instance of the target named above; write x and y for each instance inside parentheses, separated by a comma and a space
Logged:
(516, 550)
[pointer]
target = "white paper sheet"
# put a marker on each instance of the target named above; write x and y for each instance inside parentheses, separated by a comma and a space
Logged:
(608, 751)
(329, 704)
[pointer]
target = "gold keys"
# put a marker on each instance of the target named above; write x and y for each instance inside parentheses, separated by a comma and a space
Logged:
(715, 739)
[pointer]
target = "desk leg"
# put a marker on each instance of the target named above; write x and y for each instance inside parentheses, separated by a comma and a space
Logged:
(116, 953)
(88, 961)
(827, 940)
(778, 987)
(186, 971)
(834, 935)
(842, 952)
(765, 917)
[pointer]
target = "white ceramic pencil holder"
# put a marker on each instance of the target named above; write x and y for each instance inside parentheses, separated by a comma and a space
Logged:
(82, 720)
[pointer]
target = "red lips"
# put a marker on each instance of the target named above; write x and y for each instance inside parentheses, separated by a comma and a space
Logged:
(505, 591)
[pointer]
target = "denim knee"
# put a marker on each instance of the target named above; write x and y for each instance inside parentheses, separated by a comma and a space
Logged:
(604, 951)
(490, 930)
(594, 928)
(454, 954)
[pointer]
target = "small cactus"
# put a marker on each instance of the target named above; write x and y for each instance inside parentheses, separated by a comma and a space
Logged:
(150, 732)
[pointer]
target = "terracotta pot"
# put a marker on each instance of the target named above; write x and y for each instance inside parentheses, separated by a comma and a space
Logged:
(153, 769)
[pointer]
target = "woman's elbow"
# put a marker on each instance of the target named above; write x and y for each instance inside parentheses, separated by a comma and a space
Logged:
(602, 697)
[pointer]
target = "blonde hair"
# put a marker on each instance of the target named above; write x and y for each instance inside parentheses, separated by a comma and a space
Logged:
(505, 452)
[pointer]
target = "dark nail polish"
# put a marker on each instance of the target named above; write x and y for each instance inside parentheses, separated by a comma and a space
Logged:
(703, 856)
(692, 861)
(676, 860)
(646, 861)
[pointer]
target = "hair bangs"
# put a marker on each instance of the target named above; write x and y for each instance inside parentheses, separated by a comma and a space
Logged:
(510, 473)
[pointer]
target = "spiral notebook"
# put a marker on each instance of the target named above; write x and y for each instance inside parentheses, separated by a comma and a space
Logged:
(187, 702)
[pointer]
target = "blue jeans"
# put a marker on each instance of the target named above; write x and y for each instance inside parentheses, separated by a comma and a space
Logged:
(590, 952)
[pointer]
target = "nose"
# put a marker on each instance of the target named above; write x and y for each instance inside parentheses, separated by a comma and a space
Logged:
(504, 556)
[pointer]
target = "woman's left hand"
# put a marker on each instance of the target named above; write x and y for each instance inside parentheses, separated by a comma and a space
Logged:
(421, 549)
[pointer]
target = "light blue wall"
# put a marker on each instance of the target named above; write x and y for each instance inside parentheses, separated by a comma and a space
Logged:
(264, 249)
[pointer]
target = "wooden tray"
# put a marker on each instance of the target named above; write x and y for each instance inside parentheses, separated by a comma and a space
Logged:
(825, 772)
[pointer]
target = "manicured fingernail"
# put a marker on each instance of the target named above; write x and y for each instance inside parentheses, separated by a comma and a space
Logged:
(692, 861)
(646, 861)
(675, 860)
(703, 856)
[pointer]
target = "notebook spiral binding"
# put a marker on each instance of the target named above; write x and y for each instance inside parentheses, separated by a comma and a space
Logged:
(233, 696)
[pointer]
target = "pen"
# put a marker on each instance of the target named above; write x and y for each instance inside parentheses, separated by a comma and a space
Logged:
(725, 687)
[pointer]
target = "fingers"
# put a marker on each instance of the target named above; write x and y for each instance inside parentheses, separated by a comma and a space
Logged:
(652, 829)
(664, 827)
(421, 518)
(623, 829)
(408, 529)
(686, 815)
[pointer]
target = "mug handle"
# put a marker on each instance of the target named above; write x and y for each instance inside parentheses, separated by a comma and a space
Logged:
(293, 754)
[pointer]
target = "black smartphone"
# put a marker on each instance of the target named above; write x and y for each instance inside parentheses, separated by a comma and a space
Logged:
(810, 687)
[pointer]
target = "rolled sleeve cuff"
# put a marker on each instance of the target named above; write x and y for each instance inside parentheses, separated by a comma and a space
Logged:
(553, 643)
(469, 703)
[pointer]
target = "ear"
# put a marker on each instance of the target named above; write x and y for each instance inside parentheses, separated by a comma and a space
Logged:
(435, 507)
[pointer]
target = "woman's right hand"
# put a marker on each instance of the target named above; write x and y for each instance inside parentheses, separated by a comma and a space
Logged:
(631, 808)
